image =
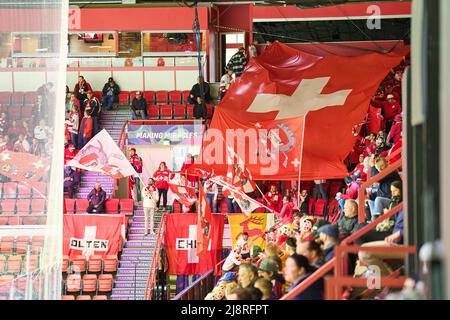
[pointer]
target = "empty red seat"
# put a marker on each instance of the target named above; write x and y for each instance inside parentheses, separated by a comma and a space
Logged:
(149, 97)
(166, 112)
(73, 283)
(14, 112)
(320, 207)
(175, 97)
(23, 191)
(110, 263)
(38, 206)
(79, 263)
(67, 297)
(98, 95)
(311, 205)
(70, 205)
(65, 263)
(14, 264)
(33, 263)
(185, 95)
(27, 111)
(8, 206)
(22, 243)
(84, 297)
(5, 98)
(190, 111)
(161, 97)
(17, 98)
(23, 206)
(95, 263)
(81, 205)
(123, 97)
(100, 297)
(39, 190)
(7, 244)
(30, 97)
(126, 206)
(153, 112)
(179, 112)
(37, 243)
(112, 206)
(9, 190)
(6, 283)
(89, 283)
(105, 283)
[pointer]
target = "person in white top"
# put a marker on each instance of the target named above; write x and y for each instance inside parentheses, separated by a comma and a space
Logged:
(246, 246)
(22, 144)
(233, 260)
(41, 133)
(211, 191)
(225, 82)
(149, 203)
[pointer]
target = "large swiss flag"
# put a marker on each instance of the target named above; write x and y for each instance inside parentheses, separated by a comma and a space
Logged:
(299, 99)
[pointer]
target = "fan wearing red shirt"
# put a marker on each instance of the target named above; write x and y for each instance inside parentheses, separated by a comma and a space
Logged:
(162, 176)
(274, 199)
(136, 162)
(390, 109)
(188, 162)
(69, 153)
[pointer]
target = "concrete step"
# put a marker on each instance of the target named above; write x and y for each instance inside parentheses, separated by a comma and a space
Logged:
(130, 271)
(130, 278)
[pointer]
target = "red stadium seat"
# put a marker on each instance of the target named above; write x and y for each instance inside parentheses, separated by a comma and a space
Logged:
(79, 263)
(22, 243)
(33, 263)
(320, 207)
(70, 205)
(14, 112)
(89, 283)
(38, 206)
(161, 97)
(311, 205)
(39, 189)
(37, 243)
(17, 98)
(14, 264)
(65, 263)
(95, 263)
(8, 206)
(84, 297)
(27, 111)
(30, 97)
(185, 95)
(9, 190)
(335, 187)
(190, 111)
(179, 112)
(153, 112)
(5, 98)
(105, 283)
(166, 112)
(175, 97)
(126, 206)
(98, 95)
(112, 206)
(123, 97)
(23, 191)
(149, 97)
(67, 297)
(81, 205)
(100, 297)
(209, 111)
(73, 283)
(23, 206)
(110, 263)
(7, 245)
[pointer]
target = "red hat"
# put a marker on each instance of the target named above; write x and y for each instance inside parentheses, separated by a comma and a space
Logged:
(71, 146)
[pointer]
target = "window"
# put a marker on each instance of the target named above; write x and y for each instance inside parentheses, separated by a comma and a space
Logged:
(92, 44)
(32, 44)
(129, 44)
(171, 42)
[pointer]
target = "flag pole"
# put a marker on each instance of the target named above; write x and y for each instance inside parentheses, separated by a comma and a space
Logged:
(301, 161)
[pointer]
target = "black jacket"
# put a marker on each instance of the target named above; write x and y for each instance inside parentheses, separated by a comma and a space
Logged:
(139, 104)
(115, 88)
(195, 91)
(384, 189)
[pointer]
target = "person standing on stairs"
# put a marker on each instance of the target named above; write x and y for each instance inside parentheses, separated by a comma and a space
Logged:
(162, 176)
(151, 198)
(136, 162)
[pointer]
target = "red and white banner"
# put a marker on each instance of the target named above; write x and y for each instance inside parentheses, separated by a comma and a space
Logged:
(184, 194)
(102, 154)
(23, 167)
(291, 107)
(181, 244)
(89, 234)
(203, 221)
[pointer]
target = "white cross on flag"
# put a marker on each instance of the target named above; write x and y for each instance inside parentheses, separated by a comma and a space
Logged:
(306, 105)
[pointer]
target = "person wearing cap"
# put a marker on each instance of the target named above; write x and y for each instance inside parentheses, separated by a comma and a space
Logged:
(110, 93)
(71, 181)
(218, 293)
(138, 107)
(162, 176)
(73, 125)
(328, 235)
(225, 82)
(238, 62)
(81, 88)
(396, 131)
(137, 164)
(298, 270)
(269, 270)
(69, 153)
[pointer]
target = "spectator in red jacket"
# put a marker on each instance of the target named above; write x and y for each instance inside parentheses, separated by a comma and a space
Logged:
(188, 162)
(81, 89)
(390, 109)
(69, 153)
(396, 131)
(287, 211)
(137, 164)
(162, 176)
(359, 171)
(86, 130)
(274, 200)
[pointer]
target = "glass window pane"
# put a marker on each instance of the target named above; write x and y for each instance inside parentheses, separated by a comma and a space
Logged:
(171, 42)
(129, 44)
(34, 44)
(92, 43)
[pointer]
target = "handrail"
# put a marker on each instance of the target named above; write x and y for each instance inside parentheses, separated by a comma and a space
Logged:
(393, 154)
(121, 145)
(361, 193)
(154, 265)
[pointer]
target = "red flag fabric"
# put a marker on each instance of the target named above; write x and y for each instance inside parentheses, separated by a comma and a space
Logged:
(181, 244)
(286, 98)
(203, 221)
(89, 234)
(23, 167)
(184, 194)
